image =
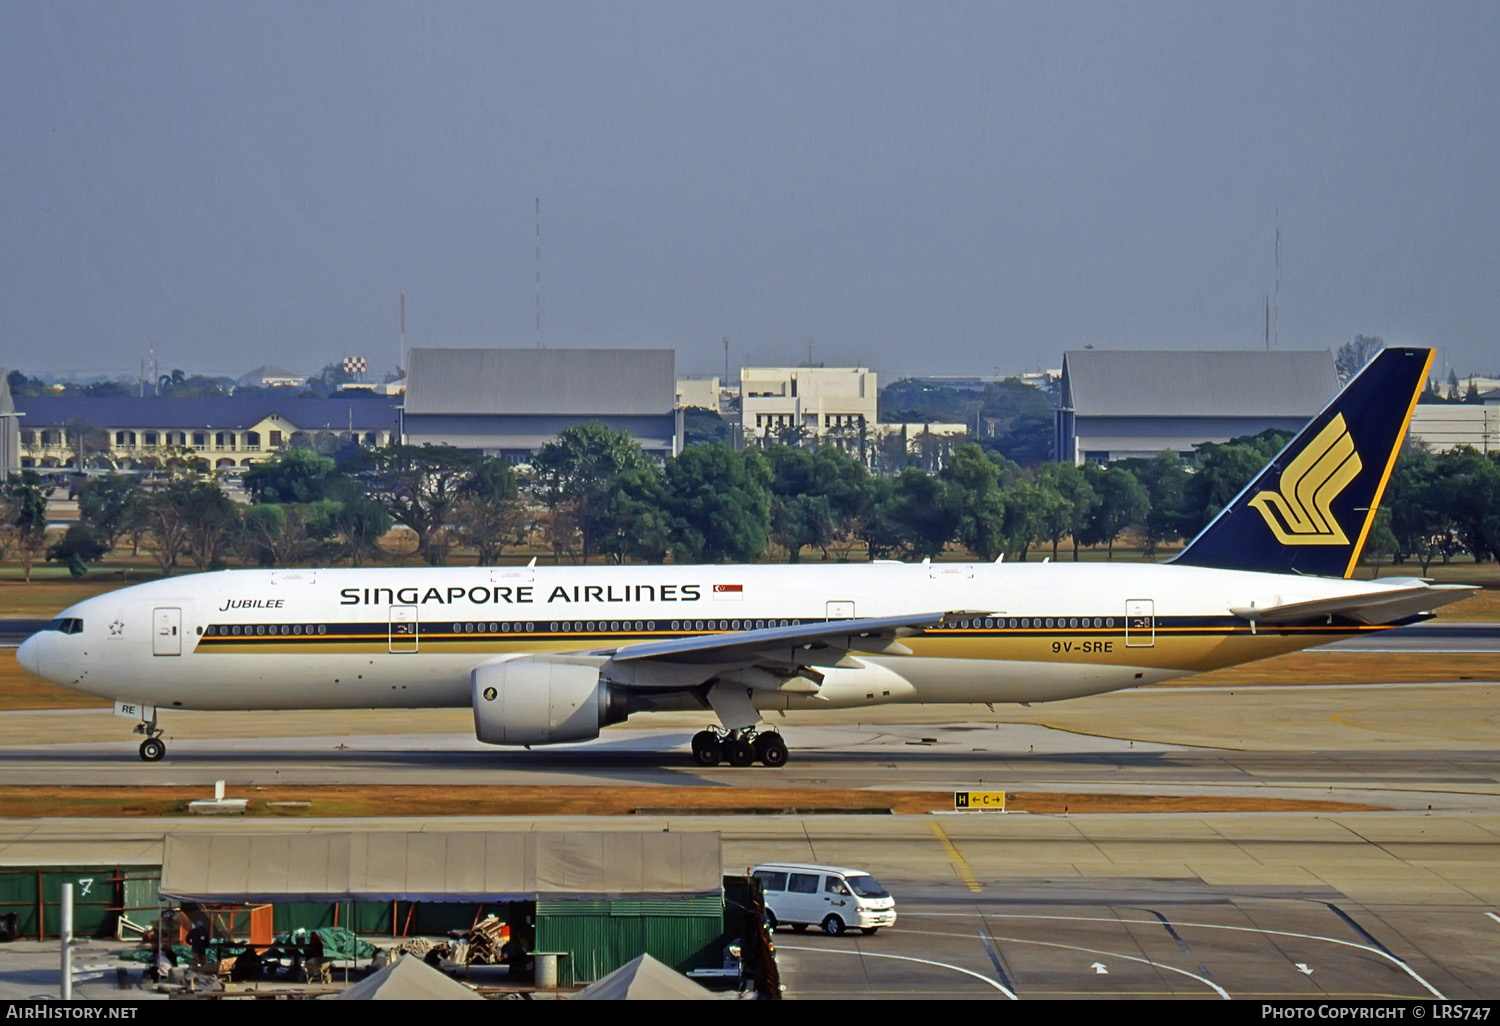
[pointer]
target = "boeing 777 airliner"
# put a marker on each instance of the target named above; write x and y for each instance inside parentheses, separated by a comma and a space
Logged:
(553, 654)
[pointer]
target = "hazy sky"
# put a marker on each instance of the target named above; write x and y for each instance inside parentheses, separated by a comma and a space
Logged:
(937, 188)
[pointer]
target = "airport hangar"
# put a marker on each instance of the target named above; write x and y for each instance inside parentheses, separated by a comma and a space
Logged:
(1118, 404)
(511, 402)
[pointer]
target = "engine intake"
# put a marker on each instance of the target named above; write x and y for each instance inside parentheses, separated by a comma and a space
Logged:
(543, 700)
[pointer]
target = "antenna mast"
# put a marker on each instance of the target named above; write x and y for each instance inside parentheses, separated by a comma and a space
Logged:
(1276, 324)
(539, 272)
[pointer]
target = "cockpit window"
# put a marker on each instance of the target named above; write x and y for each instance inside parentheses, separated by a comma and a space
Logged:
(67, 625)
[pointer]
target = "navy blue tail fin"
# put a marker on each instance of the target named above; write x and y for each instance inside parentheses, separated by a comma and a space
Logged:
(1310, 510)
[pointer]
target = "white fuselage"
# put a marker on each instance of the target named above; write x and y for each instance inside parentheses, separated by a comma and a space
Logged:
(381, 637)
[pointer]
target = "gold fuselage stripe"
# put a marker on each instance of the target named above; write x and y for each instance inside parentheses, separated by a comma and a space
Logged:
(1190, 648)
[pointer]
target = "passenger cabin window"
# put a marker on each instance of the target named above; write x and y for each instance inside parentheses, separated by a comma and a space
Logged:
(803, 883)
(771, 881)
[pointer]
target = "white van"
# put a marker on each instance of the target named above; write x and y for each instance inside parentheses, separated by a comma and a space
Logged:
(835, 898)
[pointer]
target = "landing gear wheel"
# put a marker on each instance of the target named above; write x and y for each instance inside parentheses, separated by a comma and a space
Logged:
(833, 926)
(152, 749)
(771, 750)
(739, 752)
(706, 748)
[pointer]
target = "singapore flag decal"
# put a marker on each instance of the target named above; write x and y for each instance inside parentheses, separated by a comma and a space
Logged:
(729, 592)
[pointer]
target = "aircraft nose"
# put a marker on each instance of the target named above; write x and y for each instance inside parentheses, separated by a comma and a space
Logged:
(29, 655)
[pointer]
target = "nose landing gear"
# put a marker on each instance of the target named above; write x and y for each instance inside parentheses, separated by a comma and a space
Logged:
(739, 748)
(153, 748)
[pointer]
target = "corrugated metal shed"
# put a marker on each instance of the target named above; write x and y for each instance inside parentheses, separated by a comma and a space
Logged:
(1245, 383)
(440, 866)
(575, 382)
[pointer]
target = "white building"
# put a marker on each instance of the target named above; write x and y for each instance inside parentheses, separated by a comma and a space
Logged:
(698, 393)
(1444, 426)
(783, 403)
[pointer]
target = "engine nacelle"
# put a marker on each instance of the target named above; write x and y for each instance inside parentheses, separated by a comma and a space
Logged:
(543, 700)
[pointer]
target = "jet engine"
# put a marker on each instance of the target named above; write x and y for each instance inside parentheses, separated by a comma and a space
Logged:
(543, 700)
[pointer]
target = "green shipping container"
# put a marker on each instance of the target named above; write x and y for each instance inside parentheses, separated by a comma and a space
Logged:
(600, 936)
(100, 895)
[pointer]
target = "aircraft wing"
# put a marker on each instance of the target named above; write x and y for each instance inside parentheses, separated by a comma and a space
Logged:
(1392, 601)
(821, 643)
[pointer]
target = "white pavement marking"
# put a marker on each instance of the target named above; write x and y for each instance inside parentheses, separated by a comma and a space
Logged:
(1204, 926)
(1087, 951)
(905, 958)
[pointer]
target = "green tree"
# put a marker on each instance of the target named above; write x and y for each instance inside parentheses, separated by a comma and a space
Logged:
(1122, 502)
(974, 482)
(1381, 541)
(705, 427)
(636, 522)
(295, 475)
(573, 476)
(1221, 472)
(1423, 528)
(489, 511)
(419, 486)
(210, 518)
(23, 517)
(111, 505)
(1068, 513)
(273, 534)
(801, 514)
(1352, 356)
(1468, 487)
(1165, 478)
(720, 503)
(166, 525)
(914, 516)
(353, 526)
(845, 483)
(77, 548)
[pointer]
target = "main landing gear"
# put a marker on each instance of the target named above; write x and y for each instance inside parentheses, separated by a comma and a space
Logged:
(153, 748)
(739, 748)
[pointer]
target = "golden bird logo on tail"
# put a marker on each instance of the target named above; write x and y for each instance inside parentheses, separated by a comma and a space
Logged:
(1301, 513)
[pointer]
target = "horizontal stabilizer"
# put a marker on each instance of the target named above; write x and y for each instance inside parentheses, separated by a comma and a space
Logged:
(1387, 604)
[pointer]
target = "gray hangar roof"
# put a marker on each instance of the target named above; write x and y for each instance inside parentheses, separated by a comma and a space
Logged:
(440, 866)
(1233, 383)
(541, 381)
